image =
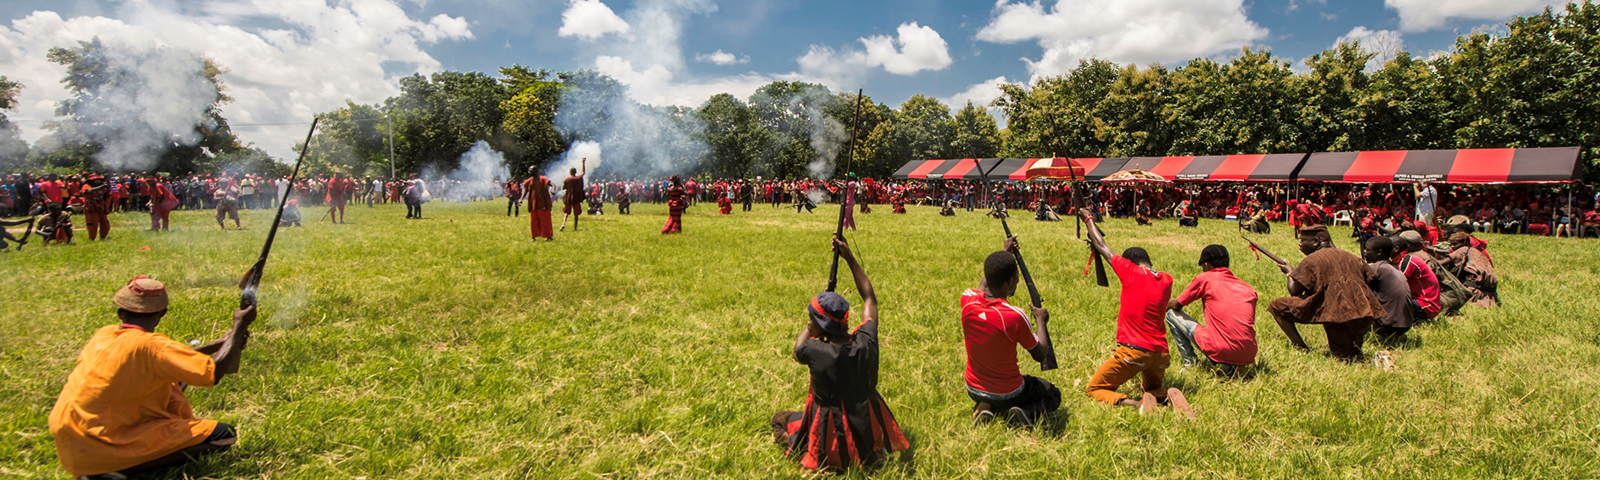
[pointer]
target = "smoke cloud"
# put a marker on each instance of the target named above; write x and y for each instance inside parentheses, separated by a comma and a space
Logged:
(828, 136)
(640, 141)
(478, 169)
(153, 99)
(574, 158)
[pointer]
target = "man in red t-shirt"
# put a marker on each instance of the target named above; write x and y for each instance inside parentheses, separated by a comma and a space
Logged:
(1229, 335)
(572, 202)
(993, 329)
(1141, 330)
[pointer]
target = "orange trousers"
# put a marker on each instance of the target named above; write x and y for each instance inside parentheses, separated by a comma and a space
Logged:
(1125, 362)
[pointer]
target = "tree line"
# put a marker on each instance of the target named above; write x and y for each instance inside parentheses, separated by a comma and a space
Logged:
(1531, 85)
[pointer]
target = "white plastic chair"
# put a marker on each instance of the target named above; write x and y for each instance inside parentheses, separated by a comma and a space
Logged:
(1343, 216)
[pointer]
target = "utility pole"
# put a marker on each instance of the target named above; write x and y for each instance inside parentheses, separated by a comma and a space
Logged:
(389, 114)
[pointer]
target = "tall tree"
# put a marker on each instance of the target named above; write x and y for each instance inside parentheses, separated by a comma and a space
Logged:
(973, 134)
(13, 150)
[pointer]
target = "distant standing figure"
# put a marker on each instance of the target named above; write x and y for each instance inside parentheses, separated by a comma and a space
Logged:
(537, 190)
(572, 206)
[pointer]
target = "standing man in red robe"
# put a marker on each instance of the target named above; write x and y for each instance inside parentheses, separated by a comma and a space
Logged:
(96, 205)
(572, 203)
(537, 190)
(337, 187)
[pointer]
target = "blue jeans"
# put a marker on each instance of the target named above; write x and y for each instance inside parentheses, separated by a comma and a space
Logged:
(1182, 326)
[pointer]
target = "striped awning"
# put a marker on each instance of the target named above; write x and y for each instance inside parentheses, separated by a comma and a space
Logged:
(1488, 165)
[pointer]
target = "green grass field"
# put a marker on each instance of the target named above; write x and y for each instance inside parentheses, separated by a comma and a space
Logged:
(453, 347)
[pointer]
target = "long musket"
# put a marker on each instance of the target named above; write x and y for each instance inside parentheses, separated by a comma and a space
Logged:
(253, 279)
(1049, 361)
(1257, 247)
(1077, 199)
(855, 119)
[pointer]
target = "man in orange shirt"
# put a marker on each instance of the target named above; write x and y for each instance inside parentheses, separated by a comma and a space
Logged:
(123, 410)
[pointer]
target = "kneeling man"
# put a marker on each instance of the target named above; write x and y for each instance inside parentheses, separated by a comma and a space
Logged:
(123, 410)
(993, 330)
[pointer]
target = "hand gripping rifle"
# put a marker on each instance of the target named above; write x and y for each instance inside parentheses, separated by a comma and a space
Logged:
(253, 279)
(1077, 202)
(833, 274)
(1049, 362)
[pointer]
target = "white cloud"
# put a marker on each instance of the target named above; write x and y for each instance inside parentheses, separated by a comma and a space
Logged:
(914, 48)
(1123, 31)
(979, 94)
(590, 20)
(720, 57)
(1384, 44)
(1423, 15)
(321, 57)
(656, 85)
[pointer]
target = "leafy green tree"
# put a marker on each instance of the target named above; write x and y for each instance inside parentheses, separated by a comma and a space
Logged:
(1329, 94)
(13, 150)
(530, 117)
(1245, 106)
(1056, 114)
(733, 138)
(438, 118)
(925, 127)
(1131, 120)
(973, 134)
(1404, 108)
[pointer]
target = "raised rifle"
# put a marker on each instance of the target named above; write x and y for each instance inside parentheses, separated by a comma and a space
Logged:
(1257, 247)
(838, 232)
(1077, 201)
(247, 298)
(1049, 362)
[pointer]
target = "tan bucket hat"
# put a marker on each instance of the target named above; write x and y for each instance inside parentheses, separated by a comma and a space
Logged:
(142, 295)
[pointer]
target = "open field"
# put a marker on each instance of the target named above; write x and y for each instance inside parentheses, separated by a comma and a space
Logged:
(454, 347)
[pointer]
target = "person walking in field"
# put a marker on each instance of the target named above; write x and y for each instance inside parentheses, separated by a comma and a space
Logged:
(1141, 330)
(227, 197)
(338, 188)
(96, 206)
(845, 421)
(572, 204)
(992, 329)
(123, 411)
(537, 189)
(1228, 337)
(676, 204)
(1328, 288)
(513, 198)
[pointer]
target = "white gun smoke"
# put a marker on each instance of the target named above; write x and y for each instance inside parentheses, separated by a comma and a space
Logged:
(153, 99)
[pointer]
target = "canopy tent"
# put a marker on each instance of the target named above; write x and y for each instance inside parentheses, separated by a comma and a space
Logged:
(961, 169)
(967, 169)
(1488, 165)
(1238, 168)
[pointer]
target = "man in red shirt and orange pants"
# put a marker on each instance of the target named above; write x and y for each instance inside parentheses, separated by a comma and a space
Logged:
(993, 329)
(1141, 330)
(1228, 337)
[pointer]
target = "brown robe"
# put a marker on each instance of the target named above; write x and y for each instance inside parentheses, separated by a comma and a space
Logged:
(1476, 272)
(1337, 284)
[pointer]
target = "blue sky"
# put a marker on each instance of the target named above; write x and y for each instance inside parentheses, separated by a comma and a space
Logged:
(291, 58)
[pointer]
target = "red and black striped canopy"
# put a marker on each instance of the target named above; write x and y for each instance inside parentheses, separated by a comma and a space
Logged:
(1488, 165)
(1222, 168)
(966, 169)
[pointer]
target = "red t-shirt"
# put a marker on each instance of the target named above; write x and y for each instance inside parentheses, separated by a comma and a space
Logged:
(53, 190)
(1423, 283)
(1141, 316)
(993, 330)
(1228, 334)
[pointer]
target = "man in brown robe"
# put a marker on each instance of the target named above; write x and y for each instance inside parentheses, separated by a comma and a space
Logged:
(1329, 288)
(1474, 270)
(572, 202)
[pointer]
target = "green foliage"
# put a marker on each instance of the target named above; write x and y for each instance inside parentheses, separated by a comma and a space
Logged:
(1534, 86)
(13, 149)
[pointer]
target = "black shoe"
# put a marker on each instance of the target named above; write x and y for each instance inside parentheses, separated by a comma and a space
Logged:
(1018, 415)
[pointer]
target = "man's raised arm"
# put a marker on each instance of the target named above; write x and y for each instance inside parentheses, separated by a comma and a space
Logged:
(232, 349)
(869, 299)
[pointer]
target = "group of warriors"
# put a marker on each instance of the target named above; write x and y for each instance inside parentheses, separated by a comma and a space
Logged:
(123, 408)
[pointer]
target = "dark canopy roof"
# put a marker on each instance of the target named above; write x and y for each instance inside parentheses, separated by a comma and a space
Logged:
(1488, 165)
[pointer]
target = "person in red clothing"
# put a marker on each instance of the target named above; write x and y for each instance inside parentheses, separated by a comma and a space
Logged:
(1421, 280)
(537, 190)
(572, 204)
(676, 203)
(513, 198)
(1228, 337)
(845, 421)
(1141, 330)
(337, 188)
(992, 330)
(162, 201)
(96, 205)
(55, 192)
